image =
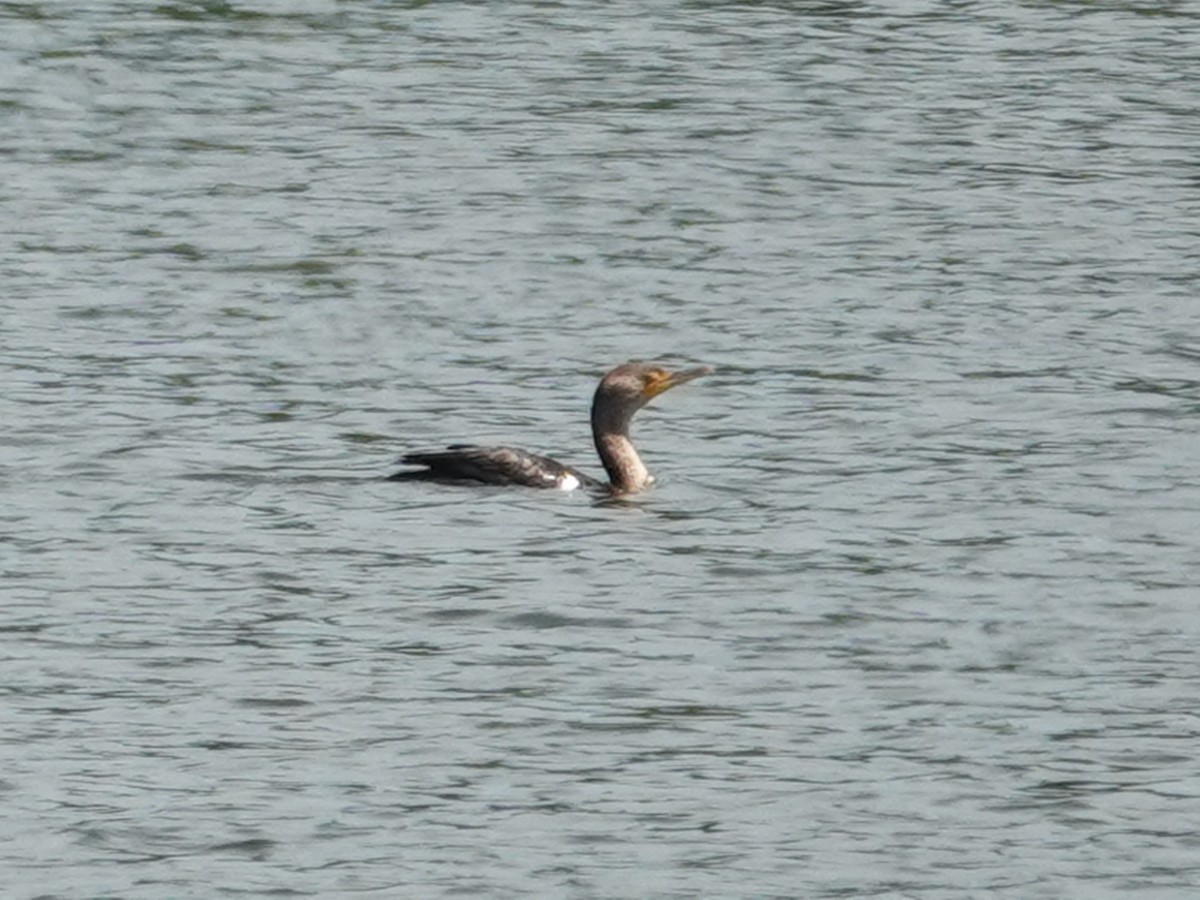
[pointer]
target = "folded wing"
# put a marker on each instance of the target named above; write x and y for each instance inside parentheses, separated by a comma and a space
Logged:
(492, 465)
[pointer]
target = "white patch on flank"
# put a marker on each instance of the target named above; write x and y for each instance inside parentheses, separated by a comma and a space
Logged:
(568, 483)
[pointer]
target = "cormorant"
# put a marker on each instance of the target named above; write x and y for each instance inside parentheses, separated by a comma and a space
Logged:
(622, 392)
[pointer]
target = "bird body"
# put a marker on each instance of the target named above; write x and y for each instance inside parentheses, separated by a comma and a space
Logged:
(493, 465)
(621, 393)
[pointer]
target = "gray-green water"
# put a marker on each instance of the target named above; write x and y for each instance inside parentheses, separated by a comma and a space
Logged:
(911, 612)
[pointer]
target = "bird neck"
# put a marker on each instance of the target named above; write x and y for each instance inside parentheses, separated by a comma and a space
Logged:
(626, 471)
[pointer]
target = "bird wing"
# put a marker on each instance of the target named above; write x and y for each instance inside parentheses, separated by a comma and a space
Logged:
(492, 465)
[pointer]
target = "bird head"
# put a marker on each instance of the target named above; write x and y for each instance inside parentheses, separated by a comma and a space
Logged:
(629, 387)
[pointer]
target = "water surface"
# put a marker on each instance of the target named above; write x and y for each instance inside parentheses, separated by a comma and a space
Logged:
(910, 612)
